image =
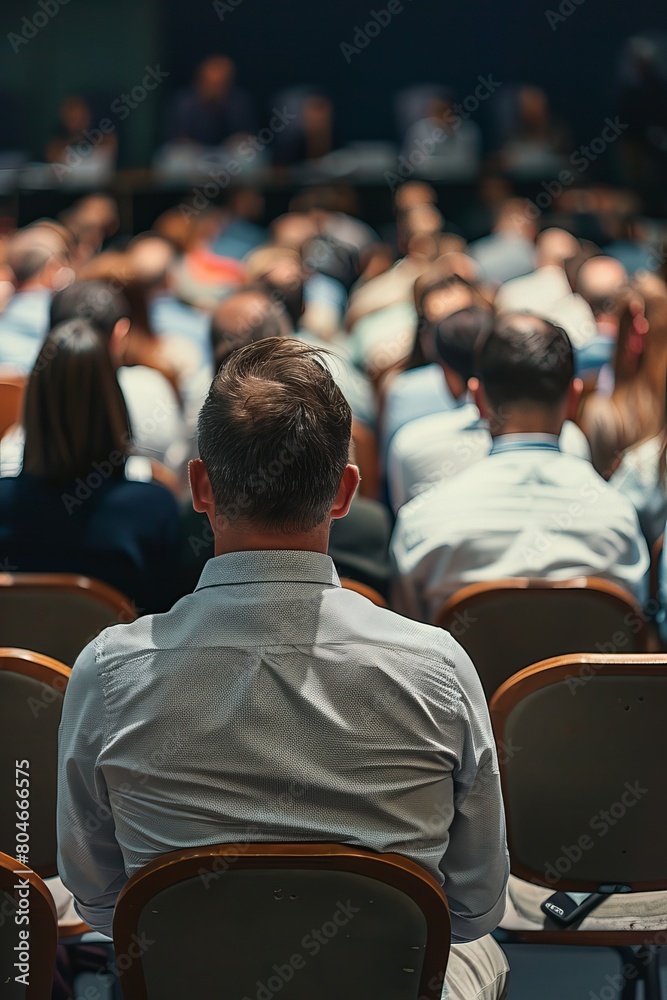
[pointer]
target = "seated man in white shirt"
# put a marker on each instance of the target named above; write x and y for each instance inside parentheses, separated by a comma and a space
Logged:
(292, 682)
(430, 450)
(527, 509)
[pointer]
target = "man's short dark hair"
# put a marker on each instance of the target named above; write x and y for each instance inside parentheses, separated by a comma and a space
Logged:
(274, 435)
(456, 338)
(96, 301)
(525, 359)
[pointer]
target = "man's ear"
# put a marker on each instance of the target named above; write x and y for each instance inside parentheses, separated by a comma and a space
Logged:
(201, 489)
(348, 487)
(477, 392)
(118, 335)
(573, 403)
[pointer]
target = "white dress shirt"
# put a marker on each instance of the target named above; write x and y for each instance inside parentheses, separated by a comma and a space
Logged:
(430, 450)
(525, 510)
(272, 705)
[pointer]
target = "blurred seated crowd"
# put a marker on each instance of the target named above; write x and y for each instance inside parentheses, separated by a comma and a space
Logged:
(478, 411)
(508, 395)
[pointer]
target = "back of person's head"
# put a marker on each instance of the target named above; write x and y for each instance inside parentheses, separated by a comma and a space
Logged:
(456, 339)
(274, 435)
(98, 302)
(599, 281)
(75, 416)
(244, 317)
(525, 361)
(554, 246)
(37, 253)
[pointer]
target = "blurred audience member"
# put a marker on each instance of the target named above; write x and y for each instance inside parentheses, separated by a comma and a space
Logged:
(73, 509)
(213, 109)
(450, 146)
(75, 149)
(527, 509)
(509, 251)
(38, 257)
(636, 407)
(600, 281)
(534, 144)
(310, 136)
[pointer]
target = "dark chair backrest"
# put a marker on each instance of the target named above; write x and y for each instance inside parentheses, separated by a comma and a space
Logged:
(26, 905)
(32, 688)
(305, 920)
(57, 614)
(582, 744)
(506, 625)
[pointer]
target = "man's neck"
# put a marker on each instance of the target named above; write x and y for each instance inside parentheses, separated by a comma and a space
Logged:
(526, 423)
(234, 539)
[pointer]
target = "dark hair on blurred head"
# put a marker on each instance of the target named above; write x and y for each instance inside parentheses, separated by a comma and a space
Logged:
(75, 414)
(95, 301)
(456, 339)
(525, 359)
(274, 435)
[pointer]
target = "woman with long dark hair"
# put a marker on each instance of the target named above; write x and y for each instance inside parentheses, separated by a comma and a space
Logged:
(72, 509)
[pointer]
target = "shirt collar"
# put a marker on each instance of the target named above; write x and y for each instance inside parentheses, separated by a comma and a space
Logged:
(522, 442)
(269, 566)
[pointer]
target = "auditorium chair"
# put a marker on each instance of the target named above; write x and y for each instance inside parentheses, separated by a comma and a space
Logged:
(306, 920)
(57, 613)
(582, 744)
(32, 688)
(12, 390)
(506, 625)
(364, 590)
(41, 924)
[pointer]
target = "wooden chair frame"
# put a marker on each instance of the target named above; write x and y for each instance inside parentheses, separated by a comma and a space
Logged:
(505, 699)
(476, 593)
(392, 869)
(72, 583)
(45, 670)
(43, 926)
(364, 590)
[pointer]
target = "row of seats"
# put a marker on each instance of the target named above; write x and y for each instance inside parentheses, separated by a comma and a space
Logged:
(571, 737)
(503, 626)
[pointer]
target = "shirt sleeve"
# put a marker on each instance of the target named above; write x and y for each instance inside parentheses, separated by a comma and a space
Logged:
(90, 861)
(476, 861)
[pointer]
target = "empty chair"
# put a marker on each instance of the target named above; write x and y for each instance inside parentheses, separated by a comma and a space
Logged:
(582, 745)
(32, 688)
(57, 614)
(12, 390)
(508, 624)
(306, 920)
(34, 899)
